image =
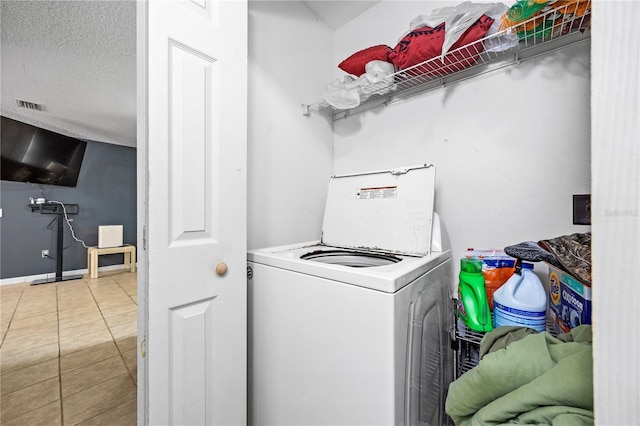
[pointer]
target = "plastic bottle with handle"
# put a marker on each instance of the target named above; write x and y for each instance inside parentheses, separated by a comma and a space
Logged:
(473, 305)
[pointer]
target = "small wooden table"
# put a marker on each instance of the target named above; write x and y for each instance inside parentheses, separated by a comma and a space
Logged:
(129, 252)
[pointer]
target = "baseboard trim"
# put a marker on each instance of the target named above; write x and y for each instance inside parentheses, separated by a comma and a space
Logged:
(18, 280)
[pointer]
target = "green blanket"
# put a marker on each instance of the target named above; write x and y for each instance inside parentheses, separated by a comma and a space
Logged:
(538, 379)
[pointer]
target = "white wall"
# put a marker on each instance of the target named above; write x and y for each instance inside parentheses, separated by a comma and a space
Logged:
(510, 147)
(289, 155)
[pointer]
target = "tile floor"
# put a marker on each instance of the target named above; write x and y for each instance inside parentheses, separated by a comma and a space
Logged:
(68, 353)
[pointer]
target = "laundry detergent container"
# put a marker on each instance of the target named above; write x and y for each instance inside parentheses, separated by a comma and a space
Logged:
(521, 301)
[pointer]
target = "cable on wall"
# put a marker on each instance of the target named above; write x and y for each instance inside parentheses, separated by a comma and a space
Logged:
(66, 218)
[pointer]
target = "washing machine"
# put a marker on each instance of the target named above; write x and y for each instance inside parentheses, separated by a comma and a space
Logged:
(355, 328)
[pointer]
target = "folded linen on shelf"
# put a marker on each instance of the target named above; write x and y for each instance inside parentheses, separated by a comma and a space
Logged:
(457, 20)
(349, 92)
(425, 44)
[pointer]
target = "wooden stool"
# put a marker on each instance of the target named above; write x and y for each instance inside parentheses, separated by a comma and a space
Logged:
(129, 252)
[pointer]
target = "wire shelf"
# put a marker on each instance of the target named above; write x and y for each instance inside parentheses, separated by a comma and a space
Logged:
(468, 353)
(552, 30)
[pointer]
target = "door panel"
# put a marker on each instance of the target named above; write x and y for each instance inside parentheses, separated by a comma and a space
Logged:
(191, 336)
(195, 210)
(193, 159)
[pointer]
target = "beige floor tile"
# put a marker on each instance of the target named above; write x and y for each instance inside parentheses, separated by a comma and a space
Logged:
(6, 314)
(112, 295)
(125, 274)
(98, 399)
(8, 303)
(3, 333)
(49, 415)
(123, 281)
(86, 317)
(38, 298)
(124, 330)
(33, 318)
(105, 295)
(112, 299)
(88, 356)
(118, 310)
(26, 310)
(129, 287)
(12, 288)
(124, 414)
(111, 285)
(105, 277)
(126, 318)
(63, 314)
(113, 305)
(91, 375)
(20, 402)
(105, 287)
(68, 301)
(4, 325)
(127, 344)
(5, 321)
(32, 336)
(18, 358)
(37, 320)
(68, 297)
(14, 341)
(75, 295)
(7, 300)
(78, 330)
(72, 285)
(40, 291)
(26, 377)
(71, 344)
(131, 360)
(79, 303)
(43, 323)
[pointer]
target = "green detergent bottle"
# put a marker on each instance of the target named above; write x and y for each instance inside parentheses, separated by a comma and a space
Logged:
(473, 305)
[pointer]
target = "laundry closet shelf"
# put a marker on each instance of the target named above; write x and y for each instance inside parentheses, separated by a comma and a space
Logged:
(555, 29)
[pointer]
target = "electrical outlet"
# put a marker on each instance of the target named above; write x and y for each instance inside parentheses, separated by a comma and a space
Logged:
(582, 209)
(45, 253)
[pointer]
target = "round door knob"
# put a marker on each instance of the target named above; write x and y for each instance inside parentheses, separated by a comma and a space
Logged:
(221, 268)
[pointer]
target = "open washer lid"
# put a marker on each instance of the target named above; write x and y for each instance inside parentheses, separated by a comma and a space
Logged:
(388, 210)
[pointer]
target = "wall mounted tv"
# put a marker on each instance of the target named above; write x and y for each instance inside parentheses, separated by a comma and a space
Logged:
(35, 155)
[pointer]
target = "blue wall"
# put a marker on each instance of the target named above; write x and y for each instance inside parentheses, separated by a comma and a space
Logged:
(106, 195)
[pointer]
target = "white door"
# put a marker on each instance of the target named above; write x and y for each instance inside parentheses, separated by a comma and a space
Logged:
(192, 82)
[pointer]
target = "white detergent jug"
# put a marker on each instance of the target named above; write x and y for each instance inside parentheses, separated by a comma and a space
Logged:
(521, 301)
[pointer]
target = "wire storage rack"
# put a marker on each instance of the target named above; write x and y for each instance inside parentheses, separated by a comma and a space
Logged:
(554, 29)
(468, 345)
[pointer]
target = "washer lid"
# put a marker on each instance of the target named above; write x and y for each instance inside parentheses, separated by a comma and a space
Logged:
(388, 210)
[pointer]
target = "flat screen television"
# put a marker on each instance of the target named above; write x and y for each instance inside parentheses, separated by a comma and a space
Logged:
(35, 155)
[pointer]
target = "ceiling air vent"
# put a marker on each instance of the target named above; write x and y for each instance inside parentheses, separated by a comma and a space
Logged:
(28, 105)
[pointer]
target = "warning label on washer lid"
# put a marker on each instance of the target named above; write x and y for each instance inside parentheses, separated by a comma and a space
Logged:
(378, 193)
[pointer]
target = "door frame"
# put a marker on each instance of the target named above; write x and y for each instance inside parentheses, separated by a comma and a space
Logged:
(142, 212)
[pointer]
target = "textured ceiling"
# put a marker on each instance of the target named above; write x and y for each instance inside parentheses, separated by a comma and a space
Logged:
(75, 58)
(78, 60)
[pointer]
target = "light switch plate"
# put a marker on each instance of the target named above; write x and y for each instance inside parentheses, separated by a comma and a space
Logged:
(582, 209)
